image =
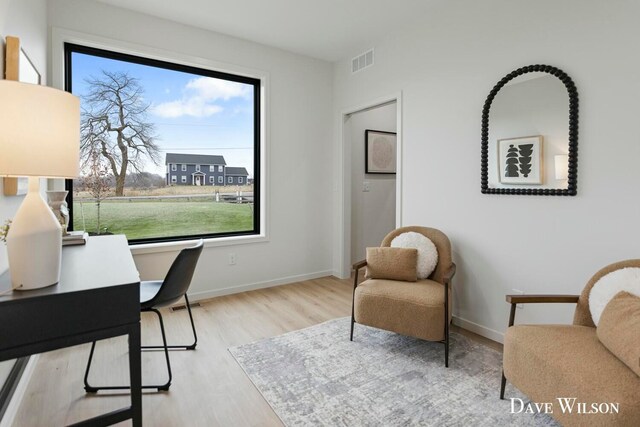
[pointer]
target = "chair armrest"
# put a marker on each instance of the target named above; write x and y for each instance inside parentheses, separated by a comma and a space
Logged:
(448, 275)
(536, 299)
(358, 265)
(514, 300)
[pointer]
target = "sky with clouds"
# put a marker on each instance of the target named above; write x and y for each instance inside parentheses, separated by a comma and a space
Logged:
(192, 114)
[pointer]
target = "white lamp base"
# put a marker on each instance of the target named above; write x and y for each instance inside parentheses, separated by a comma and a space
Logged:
(34, 243)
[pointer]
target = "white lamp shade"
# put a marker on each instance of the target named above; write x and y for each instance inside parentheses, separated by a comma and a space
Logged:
(562, 166)
(39, 131)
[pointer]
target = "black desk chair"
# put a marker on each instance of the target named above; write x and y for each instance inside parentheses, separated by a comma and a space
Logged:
(157, 294)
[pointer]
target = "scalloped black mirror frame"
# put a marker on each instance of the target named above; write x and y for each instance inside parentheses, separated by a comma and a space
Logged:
(572, 187)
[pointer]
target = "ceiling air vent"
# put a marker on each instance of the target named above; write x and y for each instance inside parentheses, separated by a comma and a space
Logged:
(361, 62)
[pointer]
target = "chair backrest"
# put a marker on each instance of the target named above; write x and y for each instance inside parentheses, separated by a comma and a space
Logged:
(582, 315)
(438, 238)
(178, 279)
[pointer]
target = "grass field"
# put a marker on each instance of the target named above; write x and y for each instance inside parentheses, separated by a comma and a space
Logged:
(139, 220)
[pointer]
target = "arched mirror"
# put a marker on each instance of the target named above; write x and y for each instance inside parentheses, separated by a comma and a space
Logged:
(530, 134)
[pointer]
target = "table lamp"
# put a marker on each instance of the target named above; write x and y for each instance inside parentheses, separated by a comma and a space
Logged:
(39, 138)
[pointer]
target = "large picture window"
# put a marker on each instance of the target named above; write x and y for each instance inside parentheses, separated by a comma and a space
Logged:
(143, 119)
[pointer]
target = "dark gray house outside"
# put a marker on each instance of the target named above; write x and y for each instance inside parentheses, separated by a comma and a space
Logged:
(202, 169)
(236, 176)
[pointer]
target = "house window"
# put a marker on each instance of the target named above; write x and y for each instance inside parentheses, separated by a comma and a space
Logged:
(239, 180)
(230, 180)
(160, 129)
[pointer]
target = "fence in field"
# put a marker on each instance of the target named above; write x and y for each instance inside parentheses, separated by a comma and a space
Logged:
(234, 197)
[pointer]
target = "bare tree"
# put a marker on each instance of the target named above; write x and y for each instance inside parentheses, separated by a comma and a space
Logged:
(96, 182)
(114, 124)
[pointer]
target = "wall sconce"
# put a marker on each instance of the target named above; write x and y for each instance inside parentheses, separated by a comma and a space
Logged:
(562, 166)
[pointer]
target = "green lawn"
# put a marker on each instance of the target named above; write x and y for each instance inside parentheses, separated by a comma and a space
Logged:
(145, 219)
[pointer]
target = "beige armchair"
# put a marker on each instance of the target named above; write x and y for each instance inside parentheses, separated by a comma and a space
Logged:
(551, 362)
(419, 309)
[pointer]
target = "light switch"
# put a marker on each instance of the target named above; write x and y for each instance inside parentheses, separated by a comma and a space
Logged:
(366, 186)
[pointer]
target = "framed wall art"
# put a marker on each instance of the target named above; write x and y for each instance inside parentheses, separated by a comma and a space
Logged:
(520, 160)
(380, 152)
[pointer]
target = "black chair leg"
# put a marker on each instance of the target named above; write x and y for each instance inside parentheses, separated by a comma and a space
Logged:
(87, 387)
(446, 348)
(162, 387)
(503, 384)
(184, 346)
(352, 323)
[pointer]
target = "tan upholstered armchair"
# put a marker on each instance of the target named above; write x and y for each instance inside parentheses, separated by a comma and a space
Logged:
(551, 362)
(419, 309)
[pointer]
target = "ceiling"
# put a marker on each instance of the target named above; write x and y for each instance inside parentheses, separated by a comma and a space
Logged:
(324, 29)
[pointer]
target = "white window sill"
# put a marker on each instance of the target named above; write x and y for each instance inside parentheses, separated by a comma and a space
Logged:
(150, 248)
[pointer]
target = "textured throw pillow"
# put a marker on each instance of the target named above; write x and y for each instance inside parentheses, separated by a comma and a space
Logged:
(427, 252)
(624, 279)
(619, 329)
(392, 264)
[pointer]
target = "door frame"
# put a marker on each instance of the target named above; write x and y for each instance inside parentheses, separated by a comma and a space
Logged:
(342, 245)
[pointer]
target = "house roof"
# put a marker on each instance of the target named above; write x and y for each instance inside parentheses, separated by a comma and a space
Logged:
(194, 159)
(237, 171)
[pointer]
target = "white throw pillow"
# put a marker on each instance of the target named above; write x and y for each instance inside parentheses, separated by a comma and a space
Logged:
(427, 252)
(624, 279)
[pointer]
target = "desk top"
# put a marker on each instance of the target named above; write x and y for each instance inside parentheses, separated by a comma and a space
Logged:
(103, 261)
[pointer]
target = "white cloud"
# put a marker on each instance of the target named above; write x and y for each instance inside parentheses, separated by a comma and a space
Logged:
(185, 107)
(199, 98)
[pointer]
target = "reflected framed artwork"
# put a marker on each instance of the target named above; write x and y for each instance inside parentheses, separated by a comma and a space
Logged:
(520, 160)
(380, 152)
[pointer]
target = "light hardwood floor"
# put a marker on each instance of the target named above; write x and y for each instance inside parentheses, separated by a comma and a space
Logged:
(209, 388)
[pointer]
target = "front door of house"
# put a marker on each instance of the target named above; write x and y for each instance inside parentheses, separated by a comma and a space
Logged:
(198, 180)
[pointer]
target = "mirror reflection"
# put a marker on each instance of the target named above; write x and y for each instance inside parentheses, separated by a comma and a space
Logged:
(529, 134)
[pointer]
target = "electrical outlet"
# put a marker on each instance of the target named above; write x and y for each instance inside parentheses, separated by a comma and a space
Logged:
(232, 258)
(366, 186)
(518, 292)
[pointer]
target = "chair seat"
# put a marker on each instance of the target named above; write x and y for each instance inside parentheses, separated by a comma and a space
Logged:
(408, 308)
(148, 290)
(552, 361)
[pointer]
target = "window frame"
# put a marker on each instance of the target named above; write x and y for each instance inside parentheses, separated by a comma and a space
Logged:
(220, 179)
(259, 133)
(240, 180)
(183, 168)
(174, 167)
(174, 178)
(229, 180)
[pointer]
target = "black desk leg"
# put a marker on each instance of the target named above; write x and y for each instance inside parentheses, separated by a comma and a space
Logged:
(135, 374)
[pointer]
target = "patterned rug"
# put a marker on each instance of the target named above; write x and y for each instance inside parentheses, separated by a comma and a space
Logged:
(317, 377)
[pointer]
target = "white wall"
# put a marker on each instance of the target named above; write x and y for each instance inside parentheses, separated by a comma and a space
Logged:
(445, 68)
(299, 185)
(373, 213)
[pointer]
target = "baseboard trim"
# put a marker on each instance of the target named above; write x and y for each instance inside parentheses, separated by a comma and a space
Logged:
(18, 394)
(198, 296)
(479, 329)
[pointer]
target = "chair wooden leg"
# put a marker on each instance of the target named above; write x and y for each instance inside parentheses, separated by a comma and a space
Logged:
(446, 325)
(503, 384)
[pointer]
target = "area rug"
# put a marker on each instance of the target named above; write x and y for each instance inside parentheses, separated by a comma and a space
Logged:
(317, 377)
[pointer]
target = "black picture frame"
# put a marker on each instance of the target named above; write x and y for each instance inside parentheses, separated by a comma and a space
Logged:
(572, 187)
(368, 137)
